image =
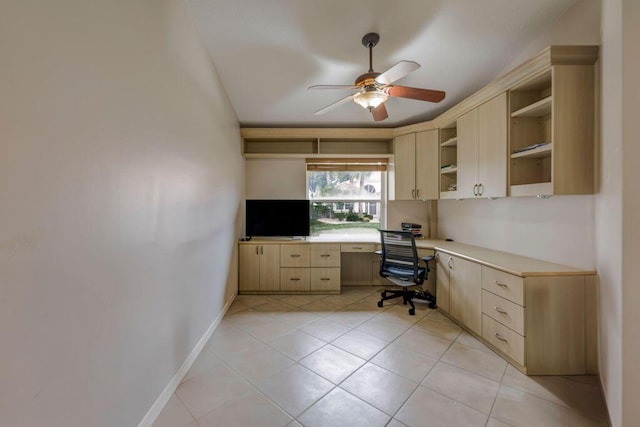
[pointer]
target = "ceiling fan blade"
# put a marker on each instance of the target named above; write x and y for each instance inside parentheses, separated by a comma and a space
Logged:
(314, 87)
(379, 113)
(397, 72)
(335, 104)
(415, 93)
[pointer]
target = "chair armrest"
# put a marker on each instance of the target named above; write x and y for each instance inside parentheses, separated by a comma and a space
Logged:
(428, 258)
(378, 252)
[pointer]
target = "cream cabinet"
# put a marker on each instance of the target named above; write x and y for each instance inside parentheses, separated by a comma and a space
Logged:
(442, 282)
(552, 133)
(289, 268)
(416, 166)
(541, 322)
(482, 150)
(325, 268)
(259, 268)
(538, 322)
(449, 161)
(465, 292)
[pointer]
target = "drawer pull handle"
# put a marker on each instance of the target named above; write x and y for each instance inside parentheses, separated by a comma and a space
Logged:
(325, 255)
(500, 337)
(500, 310)
(294, 279)
(325, 278)
(295, 256)
(502, 285)
(357, 247)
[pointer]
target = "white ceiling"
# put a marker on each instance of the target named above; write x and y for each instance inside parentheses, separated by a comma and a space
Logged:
(268, 52)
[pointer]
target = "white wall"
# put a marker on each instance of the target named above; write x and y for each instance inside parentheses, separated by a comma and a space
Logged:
(580, 24)
(276, 179)
(559, 229)
(630, 212)
(609, 212)
(120, 178)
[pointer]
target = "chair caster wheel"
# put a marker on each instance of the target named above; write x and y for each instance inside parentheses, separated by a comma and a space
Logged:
(432, 304)
(379, 303)
(412, 311)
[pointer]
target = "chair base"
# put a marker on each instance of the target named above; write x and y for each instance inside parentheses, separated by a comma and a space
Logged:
(407, 297)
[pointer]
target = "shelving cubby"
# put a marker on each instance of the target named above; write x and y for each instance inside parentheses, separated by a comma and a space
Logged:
(531, 123)
(552, 132)
(448, 160)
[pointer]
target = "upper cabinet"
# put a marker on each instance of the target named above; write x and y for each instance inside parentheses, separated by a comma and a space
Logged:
(482, 150)
(416, 166)
(552, 133)
(528, 133)
(468, 155)
(493, 120)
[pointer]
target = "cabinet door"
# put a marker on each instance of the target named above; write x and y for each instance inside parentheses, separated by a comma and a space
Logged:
(492, 147)
(249, 268)
(269, 268)
(405, 166)
(465, 287)
(442, 282)
(427, 169)
(467, 154)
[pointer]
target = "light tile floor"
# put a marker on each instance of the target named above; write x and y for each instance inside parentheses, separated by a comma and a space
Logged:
(291, 360)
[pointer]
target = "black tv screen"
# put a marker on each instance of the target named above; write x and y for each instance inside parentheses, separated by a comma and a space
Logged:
(277, 218)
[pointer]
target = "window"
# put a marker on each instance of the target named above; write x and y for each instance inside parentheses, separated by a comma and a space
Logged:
(346, 195)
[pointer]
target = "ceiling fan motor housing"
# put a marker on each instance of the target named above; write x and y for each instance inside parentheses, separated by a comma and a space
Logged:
(367, 79)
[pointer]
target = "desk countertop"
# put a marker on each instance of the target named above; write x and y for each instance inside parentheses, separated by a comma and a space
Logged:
(510, 263)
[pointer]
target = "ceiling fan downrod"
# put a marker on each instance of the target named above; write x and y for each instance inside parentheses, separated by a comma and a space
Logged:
(369, 41)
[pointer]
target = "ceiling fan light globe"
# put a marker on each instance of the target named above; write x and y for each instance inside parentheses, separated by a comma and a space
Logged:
(370, 99)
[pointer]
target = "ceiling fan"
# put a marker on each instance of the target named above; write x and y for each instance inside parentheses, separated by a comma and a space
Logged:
(373, 89)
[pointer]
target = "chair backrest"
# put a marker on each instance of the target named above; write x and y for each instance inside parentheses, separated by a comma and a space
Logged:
(399, 251)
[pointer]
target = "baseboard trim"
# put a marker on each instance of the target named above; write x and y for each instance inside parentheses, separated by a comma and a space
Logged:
(168, 391)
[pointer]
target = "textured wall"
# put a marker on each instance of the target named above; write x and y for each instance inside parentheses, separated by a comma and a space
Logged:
(120, 179)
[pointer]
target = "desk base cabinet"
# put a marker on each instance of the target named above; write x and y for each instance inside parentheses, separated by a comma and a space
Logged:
(260, 271)
(543, 325)
(289, 268)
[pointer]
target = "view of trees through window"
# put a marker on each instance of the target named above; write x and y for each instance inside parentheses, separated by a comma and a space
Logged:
(345, 201)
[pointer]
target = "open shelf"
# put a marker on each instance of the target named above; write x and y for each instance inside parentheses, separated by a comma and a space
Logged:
(536, 189)
(536, 153)
(451, 142)
(449, 170)
(537, 109)
(448, 156)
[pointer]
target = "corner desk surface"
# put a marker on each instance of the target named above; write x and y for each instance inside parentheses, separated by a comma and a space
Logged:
(509, 263)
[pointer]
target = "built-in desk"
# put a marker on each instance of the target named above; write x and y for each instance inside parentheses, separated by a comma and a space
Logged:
(316, 265)
(539, 315)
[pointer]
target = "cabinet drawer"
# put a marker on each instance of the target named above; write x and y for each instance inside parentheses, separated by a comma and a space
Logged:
(503, 284)
(294, 255)
(325, 255)
(357, 247)
(325, 279)
(294, 279)
(503, 338)
(504, 311)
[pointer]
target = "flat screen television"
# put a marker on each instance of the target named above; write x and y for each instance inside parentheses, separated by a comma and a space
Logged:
(277, 218)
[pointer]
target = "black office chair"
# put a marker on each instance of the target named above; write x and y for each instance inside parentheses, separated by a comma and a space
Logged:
(400, 264)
